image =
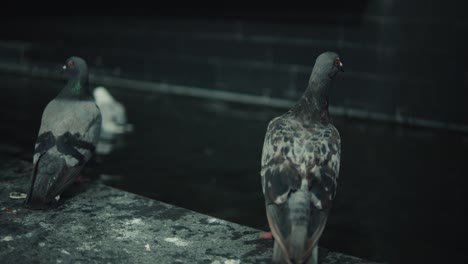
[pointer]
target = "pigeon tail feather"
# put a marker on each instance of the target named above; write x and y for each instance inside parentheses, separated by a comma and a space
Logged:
(299, 214)
(46, 182)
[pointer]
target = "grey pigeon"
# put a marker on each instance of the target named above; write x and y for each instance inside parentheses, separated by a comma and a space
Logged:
(69, 132)
(300, 166)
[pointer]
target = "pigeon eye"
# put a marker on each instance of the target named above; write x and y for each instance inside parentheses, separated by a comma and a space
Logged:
(337, 62)
(71, 64)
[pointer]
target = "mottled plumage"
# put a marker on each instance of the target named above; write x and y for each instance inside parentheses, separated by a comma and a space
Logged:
(300, 166)
(68, 135)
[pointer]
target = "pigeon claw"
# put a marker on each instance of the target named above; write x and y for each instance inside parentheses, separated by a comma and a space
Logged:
(80, 180)
(266, 235)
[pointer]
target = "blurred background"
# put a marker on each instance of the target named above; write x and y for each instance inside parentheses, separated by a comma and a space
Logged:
(201, 84)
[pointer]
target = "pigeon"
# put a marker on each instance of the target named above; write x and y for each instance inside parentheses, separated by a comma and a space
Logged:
(114, 117)
(299, 168)
(114, 121)
(69, 132)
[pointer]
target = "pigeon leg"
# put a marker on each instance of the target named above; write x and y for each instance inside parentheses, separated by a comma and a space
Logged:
(80, 179)
(266, 235)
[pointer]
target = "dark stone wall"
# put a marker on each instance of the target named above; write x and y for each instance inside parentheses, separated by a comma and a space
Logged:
(401, 58)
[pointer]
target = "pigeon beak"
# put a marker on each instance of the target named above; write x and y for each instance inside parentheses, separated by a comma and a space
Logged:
(64, 67)
(341, 67)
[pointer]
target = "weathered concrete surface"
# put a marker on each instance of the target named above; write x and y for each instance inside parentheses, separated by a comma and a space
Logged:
(100, 224)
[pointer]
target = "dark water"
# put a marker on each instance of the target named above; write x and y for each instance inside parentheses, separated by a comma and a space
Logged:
(401, 192)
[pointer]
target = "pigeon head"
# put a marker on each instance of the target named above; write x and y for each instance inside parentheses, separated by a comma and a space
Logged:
(75, 66)
(76, 70)
(327, 66)
(315, 98)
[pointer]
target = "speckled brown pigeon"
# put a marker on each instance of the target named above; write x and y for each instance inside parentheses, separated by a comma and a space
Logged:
(300, 166)
(68, 135)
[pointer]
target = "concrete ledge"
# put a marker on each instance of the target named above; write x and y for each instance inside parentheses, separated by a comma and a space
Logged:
(100, 224)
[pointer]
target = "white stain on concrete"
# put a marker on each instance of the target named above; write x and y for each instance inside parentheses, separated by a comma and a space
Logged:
(147, 247)
(232, 261)
(65, 252)
(226, 261)
(7, 238)
(216, 221)
(46, 226)
(177, 241)
(87, 246)
(135, 221)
